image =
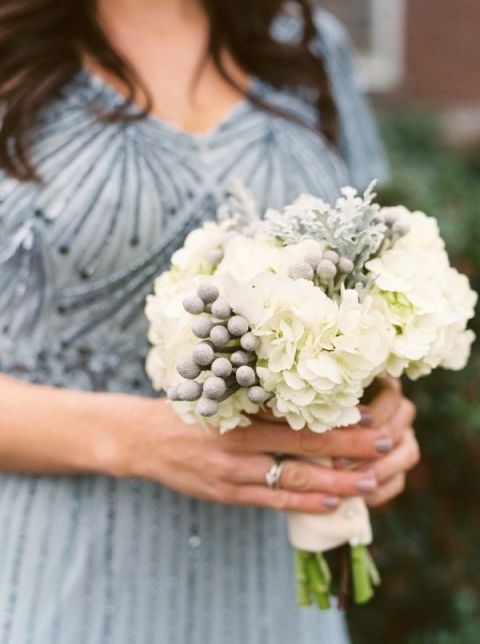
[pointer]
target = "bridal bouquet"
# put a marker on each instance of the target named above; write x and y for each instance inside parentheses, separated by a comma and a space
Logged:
(299, 312)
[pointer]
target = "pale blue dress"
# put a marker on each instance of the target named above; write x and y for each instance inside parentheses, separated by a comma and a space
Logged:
(92, 559)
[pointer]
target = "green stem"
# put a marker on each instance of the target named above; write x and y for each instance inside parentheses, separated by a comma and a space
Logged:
(303, 595)
(364, 574)
(325, 570)
(318, 583)
(314, 578)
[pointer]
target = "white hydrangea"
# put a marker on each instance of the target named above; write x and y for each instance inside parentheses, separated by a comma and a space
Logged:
(170, 330)
(315, 355)
(249, 256)
(429, 302)
(193, 257)
(245, 257)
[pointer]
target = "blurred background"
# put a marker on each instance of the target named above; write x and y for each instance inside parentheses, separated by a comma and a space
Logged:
(423, 53)
(420, 59)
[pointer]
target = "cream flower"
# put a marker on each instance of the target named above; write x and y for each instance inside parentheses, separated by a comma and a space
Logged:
(246, 257)
(315, 355)
(170, 330)
(429, 303)
(193, 257)
(283, 312)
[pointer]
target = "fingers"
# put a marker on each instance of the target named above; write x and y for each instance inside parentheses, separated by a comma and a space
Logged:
(402, 459)
(401, 421)
(298, 476)
(263, 496)
(386, 492)
(270, 437)
(301, 489)
(312, 488)
(391, 470)
(245, 470)
(274, 436)
(385, 405)
(308, 477)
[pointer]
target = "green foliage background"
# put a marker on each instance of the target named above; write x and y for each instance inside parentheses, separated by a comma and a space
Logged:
(427, 544)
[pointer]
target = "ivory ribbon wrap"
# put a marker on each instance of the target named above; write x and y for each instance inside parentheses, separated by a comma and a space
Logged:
(350, 523)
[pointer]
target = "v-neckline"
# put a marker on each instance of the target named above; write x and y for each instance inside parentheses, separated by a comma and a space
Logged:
(239, 107)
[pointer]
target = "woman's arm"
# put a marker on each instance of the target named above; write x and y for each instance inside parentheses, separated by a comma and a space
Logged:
(57, 431)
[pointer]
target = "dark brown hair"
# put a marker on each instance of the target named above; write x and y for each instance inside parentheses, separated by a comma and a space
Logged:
(42, 43)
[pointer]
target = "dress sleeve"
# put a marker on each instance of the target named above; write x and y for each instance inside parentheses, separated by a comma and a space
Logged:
(360, 144)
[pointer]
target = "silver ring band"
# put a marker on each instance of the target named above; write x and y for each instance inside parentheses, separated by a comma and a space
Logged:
(272, 477)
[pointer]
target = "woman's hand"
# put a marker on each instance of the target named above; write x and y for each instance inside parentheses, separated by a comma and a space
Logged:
(391, 413)
(394, 414)
(231, 468)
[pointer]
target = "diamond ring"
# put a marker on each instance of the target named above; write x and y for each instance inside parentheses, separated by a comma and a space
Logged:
(272, 477)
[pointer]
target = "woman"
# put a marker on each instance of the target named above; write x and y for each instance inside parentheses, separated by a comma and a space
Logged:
(117, 522)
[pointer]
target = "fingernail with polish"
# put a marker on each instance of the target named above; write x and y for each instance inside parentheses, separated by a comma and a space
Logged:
(384, 444)
(366, 418)
(366, 485)
(331, 502)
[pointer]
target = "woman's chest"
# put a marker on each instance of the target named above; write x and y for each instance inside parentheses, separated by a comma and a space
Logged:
(114, 194)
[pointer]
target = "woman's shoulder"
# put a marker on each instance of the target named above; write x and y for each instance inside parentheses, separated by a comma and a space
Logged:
(332, 30)
(331, 35)
(360, 145)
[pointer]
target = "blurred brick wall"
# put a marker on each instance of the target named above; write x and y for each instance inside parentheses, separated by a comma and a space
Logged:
(355, 15)
(440, 60)
(443, 51)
